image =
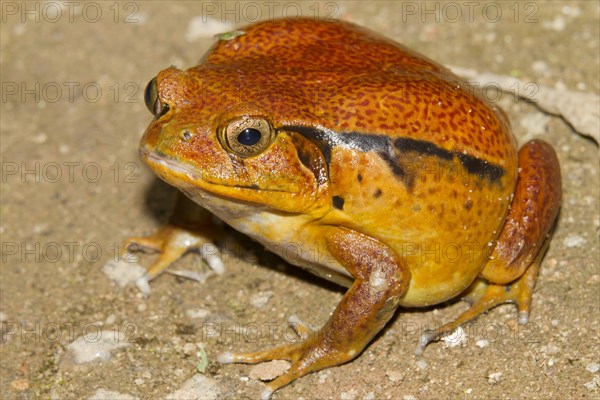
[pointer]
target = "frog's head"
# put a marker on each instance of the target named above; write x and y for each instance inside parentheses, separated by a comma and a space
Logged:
(208, 141)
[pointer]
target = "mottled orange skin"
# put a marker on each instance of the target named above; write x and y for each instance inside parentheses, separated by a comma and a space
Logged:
(387, 174)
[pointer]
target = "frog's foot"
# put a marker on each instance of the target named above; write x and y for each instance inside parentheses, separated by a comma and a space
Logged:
(380, 281)
(173, 242)
(312, 354)
(484, 296)
(190, 228)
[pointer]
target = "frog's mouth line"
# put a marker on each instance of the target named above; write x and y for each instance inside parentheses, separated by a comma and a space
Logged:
(159, 164)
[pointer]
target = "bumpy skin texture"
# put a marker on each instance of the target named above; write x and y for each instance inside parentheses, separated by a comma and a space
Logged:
(385, 173)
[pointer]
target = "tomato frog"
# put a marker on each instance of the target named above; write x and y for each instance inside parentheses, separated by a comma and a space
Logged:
(389, 174)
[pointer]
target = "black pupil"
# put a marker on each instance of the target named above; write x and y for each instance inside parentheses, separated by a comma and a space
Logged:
(249, 136)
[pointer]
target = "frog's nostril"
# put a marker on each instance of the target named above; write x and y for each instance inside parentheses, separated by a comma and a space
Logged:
(186, 136)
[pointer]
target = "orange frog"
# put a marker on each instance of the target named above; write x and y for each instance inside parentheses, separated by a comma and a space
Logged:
(386, 172)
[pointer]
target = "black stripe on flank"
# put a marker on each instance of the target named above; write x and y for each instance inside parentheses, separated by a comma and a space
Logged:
(473, 165)
(391, 152)
(422, 147)
(484, 169)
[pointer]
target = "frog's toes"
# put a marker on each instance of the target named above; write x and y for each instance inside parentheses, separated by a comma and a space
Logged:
(191, 275)
(285, 352)
(225, 358)
(173, 242)
(428, 336)
(523, 317)
(266, 394)
(143, 285)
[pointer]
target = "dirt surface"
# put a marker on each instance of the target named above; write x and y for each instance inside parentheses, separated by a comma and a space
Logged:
(73, 189)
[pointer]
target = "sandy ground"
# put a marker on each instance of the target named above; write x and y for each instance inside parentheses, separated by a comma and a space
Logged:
(73, 189)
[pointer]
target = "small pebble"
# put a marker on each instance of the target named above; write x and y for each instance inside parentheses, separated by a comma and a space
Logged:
(269, 370)
(351, 395)
(123, 273)
(323, 375)
(594, 279)
(189, 348)
(369, 396)
(481, 343)
(557, 24)
(63, 149)
(494, 377)
(197, 313)
(394, 376)
(409, 397)
(540, 67)
(3, 317)
(111, 319)
(550, 349)
(574, 241)
(571, 10)
(593, 367)
(96, 346)
(260, 299)
(593, 384)
(103, 394)
(20, 385)
(421, 364)
(40, 138)
(197, 387)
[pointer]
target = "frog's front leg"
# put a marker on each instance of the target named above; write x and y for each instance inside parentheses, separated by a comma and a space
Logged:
(380, 281)
(189, 228)
(510, 274)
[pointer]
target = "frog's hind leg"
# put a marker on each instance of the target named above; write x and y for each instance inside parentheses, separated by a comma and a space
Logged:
(513, 267)
(381, 279)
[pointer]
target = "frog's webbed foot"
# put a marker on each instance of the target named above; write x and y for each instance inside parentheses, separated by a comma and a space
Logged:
(512, 269)
(189, 230)
(484, 296)
(380, 281)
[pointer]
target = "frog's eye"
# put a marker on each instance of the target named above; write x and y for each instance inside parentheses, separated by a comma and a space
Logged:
(247, 136)
(152, 100)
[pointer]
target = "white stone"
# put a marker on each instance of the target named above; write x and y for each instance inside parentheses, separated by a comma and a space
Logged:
(96, 346)
(197, 387)
(103, 394)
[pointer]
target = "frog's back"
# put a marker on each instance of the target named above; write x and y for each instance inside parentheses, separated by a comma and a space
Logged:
(308, 71)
